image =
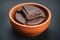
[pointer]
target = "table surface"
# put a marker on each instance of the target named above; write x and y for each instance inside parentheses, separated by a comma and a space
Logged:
(6, 31)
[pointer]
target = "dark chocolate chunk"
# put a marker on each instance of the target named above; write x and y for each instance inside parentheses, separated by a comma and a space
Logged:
(20, 18)
(42, 14)
(32, 12)
(35, 21)
(30, 9)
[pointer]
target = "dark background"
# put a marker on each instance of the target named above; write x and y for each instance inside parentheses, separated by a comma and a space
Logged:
(6, 31)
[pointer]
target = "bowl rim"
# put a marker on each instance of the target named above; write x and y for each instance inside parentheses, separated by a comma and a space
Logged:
(49, 15)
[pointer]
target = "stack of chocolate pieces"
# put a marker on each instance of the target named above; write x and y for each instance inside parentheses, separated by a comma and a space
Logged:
(30, 15)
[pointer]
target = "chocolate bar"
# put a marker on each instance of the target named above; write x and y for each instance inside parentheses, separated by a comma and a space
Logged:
(20, 18)
(35, 21)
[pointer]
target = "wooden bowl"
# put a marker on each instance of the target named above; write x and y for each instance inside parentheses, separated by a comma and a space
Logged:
(26, 29)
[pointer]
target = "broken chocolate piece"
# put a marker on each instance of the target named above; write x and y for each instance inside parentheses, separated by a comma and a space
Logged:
(20, 18)
(32, 12)
(35, 21)
(30, 9)
(42, 14)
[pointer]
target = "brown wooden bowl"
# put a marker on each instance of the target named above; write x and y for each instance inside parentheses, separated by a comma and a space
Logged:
(26, 29)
